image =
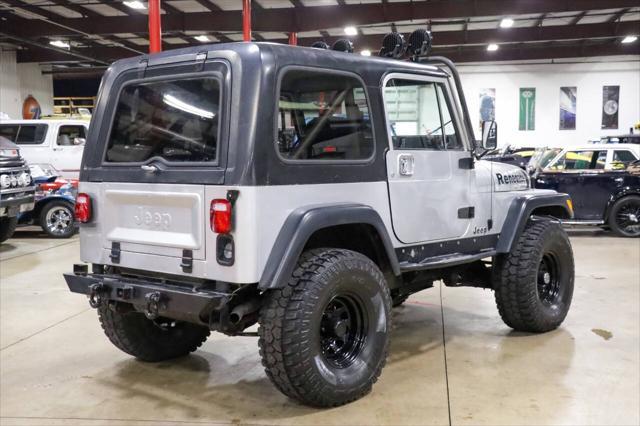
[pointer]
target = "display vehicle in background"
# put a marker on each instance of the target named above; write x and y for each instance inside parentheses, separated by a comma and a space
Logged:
(56, 142)
(628, 138)
(54, 203)
(243, 183)
(603, 183)
(511, 155)
(16, 188)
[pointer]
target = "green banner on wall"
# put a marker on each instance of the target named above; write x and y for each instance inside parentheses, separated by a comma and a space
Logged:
(527, 108)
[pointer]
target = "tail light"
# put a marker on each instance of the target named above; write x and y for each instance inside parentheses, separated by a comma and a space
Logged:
(83, 208)
(220, 216)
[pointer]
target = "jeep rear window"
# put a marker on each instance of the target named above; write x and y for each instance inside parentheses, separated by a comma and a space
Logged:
(323, 116)
(174, 120)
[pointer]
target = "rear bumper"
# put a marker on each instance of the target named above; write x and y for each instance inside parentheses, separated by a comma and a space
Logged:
(155, 299)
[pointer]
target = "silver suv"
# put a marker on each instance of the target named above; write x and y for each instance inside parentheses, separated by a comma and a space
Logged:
(308, 191)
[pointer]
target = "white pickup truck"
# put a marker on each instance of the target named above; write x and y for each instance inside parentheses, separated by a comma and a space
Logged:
(57, 142)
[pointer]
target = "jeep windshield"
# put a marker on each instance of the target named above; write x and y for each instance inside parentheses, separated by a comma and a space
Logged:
(175, 120)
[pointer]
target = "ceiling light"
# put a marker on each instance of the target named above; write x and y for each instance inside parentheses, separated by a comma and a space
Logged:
(366, 52)
(60, 43)
(203, 38)
(506, 23)
(629, 39)
(492, 47)
(350, 31)
(135, 4)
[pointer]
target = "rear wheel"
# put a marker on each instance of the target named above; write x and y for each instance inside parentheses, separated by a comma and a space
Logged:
(324, 337)
(149, 340)
(534, 282)
(7, 227)
(56, 219)
(624, 218)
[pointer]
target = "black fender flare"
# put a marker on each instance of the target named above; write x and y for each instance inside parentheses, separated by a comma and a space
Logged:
(521, 210)
(302, 223)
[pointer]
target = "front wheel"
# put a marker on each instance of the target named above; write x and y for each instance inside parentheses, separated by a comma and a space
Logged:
(624, 218)
(56, 219)
(534, 282)
(324, 337)
(7, 227)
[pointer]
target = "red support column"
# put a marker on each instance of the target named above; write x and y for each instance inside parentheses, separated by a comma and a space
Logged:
(155, 32)
(293, 39)
(246, 20)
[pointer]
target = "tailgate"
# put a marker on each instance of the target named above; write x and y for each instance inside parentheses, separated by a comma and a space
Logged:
(154, 219)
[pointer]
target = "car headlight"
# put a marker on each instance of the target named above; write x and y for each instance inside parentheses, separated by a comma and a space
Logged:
(5, 181)
(9, 153)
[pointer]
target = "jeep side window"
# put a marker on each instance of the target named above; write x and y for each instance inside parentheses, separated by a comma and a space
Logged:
(323, 116)
(24, 134)
(176, 120)
(70, 135)
(419, 116)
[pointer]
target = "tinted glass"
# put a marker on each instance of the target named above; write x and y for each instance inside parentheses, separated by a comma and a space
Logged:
(323, 116)
(31, 134)
(9, 131)
(70, 135)
(175, 120)
(621, 159)
(581, 160)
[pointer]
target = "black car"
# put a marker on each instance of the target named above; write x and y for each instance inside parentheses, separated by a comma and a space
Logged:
(607, 198)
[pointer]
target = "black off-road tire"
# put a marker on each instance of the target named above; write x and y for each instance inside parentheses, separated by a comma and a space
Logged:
(298, 355)
(7, 227)
(626, 205)
(147, 340)
(529, 300)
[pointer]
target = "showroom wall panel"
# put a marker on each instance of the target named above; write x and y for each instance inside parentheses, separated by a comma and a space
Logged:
(588, 78)
(17, 81)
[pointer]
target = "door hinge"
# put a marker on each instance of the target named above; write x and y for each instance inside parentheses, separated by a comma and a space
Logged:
(466, 212)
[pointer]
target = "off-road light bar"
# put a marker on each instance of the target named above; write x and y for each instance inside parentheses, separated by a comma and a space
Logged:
(420, 42)
(393, 46)
(343, 45)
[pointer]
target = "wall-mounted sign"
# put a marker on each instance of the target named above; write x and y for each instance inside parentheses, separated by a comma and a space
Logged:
(568, 102)
(610, 105)
(31, 108)
(527, 108)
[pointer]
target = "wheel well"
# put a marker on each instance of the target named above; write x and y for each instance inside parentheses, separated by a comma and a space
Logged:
(558, 212)
(360, 237)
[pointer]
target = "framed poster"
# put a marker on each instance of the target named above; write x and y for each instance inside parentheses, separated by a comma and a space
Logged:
(527, 108)
(610, 104)
(487, 105)
(568, 101)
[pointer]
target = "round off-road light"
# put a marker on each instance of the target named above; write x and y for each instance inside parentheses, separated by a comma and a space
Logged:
(420, 42)
(393, 46)
(5, 181)
(24, 179)
(320, 45)
(343, 45)
(14, 180)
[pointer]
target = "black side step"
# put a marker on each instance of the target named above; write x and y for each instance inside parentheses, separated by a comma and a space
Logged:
(445, 261)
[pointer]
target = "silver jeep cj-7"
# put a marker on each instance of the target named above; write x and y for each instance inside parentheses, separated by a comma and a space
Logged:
(308, 191)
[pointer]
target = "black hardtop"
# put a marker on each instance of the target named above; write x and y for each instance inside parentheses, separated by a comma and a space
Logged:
(250, 73)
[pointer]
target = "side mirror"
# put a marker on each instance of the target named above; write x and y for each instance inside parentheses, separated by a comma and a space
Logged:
(489, 134)
(79, 141)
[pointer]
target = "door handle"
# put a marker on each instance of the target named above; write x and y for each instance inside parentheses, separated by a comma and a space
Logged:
(406, 164)
(149, 168)
(57, 149)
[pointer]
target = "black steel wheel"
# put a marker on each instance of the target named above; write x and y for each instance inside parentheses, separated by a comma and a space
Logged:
(324, 337)
(57, 219)
(534, 282)
(624, 218)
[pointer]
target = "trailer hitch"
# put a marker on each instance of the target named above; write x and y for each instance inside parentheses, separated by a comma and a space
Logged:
(96, 298)
(154, 303)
